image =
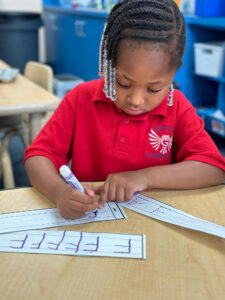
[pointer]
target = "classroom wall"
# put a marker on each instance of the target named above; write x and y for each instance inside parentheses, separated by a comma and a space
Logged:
(27, 6)
(34, 6)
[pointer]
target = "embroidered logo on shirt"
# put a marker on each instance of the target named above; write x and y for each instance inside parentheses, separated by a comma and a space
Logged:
(164, 142)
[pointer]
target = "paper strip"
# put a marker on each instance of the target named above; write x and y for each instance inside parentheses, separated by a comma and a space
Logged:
(161, 211)
(75, 243)
(50, 217)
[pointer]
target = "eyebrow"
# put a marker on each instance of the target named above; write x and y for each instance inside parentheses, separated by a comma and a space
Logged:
(155, 82)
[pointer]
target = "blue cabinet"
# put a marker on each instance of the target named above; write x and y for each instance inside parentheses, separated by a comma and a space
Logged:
(73, 39)
(206, 93)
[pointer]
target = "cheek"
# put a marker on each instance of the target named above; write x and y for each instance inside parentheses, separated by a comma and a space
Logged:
(121, 96)
(154, 100)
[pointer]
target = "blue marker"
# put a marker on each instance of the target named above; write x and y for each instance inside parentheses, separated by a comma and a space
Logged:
(71, 179)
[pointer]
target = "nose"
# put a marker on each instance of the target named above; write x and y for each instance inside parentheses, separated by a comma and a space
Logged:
(136, 98)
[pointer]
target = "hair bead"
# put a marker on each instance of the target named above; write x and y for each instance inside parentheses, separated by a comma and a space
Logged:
(170, 96)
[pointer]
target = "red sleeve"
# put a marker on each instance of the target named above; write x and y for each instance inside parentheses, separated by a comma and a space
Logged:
(191, 140)
(55, 139)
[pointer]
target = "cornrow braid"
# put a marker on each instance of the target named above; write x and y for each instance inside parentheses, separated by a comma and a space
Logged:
(156, 21)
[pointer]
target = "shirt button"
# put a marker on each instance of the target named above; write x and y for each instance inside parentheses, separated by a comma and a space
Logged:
(127, 121)
(123, 139)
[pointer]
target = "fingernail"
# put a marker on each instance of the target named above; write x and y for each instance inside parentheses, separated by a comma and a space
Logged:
(91, 193)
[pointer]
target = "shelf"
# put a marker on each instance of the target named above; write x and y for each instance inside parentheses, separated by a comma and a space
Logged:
(217, 79)
(80, 11)
(211, 23)
(202, 90)
(214, 120)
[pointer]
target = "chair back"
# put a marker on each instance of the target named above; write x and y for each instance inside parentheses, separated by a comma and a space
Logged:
(40, 73)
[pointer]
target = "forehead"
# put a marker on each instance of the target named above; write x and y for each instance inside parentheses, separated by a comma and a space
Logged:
(151, 59)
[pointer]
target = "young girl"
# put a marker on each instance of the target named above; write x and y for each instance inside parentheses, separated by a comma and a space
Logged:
(130, 129)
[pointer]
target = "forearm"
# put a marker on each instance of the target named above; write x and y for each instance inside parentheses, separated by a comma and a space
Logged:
(184, 175)
(44, 177)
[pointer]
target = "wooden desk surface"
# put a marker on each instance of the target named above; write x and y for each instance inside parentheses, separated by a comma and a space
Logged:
(181, 264)
(24, 96)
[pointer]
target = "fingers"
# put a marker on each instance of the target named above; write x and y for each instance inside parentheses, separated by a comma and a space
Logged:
(116, 189)
(103, 194)
(128, 195)
(98, 189)
(74, 210)
(69, 214)
(120, 195)
(89, 189)
(83, 202)
(73, 203)
(92, 190)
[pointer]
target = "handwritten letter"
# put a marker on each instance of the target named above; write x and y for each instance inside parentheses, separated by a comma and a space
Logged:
(161, 211)
(75, 243)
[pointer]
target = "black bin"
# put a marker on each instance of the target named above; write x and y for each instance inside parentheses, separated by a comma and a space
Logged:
(19, 38)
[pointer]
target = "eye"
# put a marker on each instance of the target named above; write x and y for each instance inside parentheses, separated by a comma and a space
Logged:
(123, 85)
(149, 90)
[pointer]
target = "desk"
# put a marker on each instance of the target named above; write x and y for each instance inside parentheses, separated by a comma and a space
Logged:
(24, 96)
(181, 264)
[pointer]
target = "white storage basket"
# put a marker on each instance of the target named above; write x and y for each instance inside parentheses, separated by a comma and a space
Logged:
(209, 58)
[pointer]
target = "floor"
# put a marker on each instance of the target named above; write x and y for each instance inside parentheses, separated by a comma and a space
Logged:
(16, 150)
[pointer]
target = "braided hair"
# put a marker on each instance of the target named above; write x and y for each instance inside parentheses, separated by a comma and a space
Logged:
(154, 21)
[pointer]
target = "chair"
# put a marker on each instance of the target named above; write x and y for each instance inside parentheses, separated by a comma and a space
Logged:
(42, 75)
(10, 127)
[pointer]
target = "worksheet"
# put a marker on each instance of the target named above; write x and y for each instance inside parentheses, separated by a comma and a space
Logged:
(75, 243)
(161, 211)
(50, 217)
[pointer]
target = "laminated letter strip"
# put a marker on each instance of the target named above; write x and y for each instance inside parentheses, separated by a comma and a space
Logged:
(166, 213)
(75, 243)
(50, 217)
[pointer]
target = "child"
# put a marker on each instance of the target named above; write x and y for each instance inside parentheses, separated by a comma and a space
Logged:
(130, 128)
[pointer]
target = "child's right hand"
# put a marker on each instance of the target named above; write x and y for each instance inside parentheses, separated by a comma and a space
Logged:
(73, 204)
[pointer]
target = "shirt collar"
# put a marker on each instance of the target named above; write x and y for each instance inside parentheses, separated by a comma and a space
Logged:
(99, 95)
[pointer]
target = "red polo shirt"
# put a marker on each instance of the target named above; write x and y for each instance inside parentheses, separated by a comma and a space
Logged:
(101, 139)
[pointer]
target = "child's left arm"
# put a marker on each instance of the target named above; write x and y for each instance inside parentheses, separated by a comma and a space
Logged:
(182, 175)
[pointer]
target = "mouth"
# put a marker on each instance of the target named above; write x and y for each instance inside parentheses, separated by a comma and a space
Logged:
(133, 111)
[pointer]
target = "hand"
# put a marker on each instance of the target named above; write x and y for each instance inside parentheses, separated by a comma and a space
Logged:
(121, 186)
(73, 204)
